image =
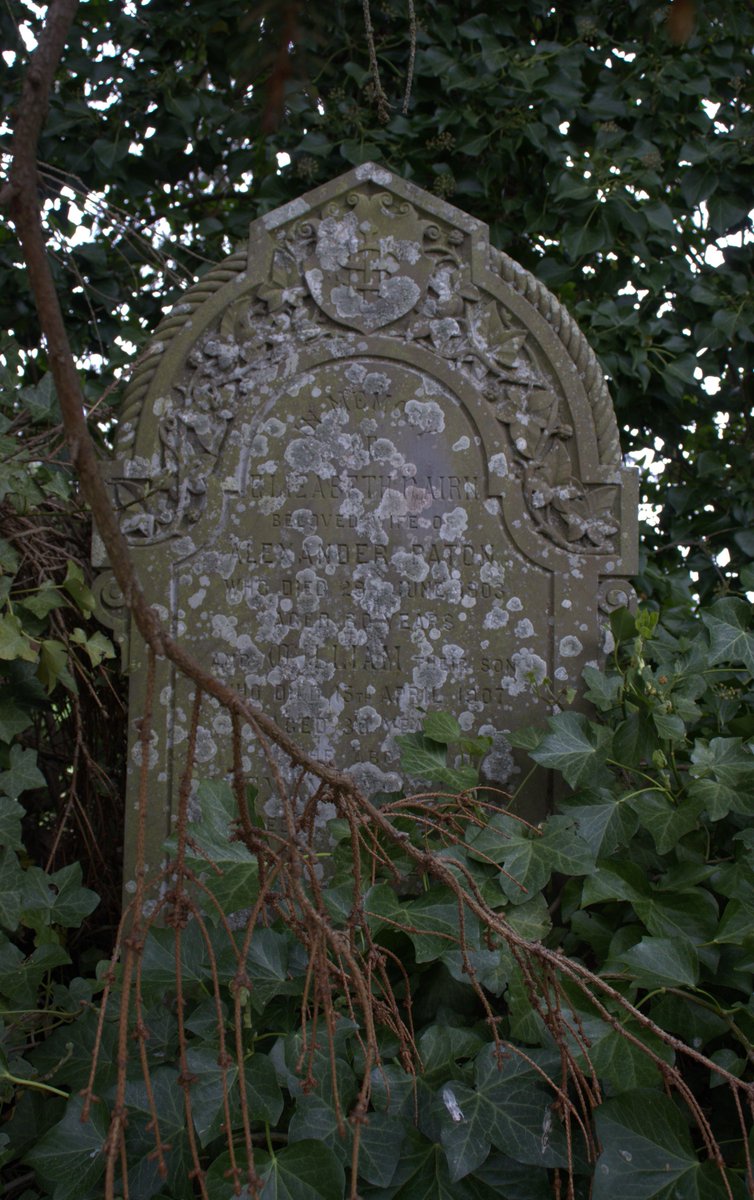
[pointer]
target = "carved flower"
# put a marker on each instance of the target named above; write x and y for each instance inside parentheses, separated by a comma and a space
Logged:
(529, 415)
(448, 287)
(447, 337)
(225, 352)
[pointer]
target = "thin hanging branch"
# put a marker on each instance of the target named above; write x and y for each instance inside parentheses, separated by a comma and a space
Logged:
(411, 55)
(380, 96)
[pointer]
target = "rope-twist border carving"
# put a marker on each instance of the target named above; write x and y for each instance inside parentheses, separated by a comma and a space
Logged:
(172, 324)
(574, 341)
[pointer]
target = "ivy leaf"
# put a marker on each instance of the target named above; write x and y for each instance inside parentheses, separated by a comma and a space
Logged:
(464, 1128)
(207, 1092)
(14, 642)
(669, 726)
(530, 920)
(44, 601)
(433, 924)
(380, 1148)
(422, 1173)
(442, 1048)
(276, 966)
(575, 746)
(723, 777)
(526, 867)
(11, 884)
(442, 727)
(603, 820)
(53, 665)
(646, 1148)
(306, 1170)
(159, 957)
(728, 622)
(516, 1110)
(493, 840)
(97, 646)
(735, 924)
(77, 589)
(11, 814)
(603, 690)
(13, 720)
(634, 740)
(662, 962)
(144, 1178)
(566, 850)
(41, 400)
(615, 881)
(500, 1176)
(459, 779)
(22, 774)
(422, 758)
(72, 902)
(70, 1156)
(235, 882)
(316, 1119)
(665, 821)
(690, 915)
(623, 1064)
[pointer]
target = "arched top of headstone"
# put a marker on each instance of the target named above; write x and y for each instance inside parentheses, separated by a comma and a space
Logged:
(370, 255)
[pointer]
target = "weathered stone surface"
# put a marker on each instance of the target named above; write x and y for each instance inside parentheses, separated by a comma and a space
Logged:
(370, 468)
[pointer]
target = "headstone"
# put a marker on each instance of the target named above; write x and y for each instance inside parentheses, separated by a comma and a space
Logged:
(368, 468)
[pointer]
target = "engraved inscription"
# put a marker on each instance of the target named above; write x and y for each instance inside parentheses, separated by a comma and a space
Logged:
(361, 557)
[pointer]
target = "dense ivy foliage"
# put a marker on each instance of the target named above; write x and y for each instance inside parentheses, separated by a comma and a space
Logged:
(616, 163)
(644, 873)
